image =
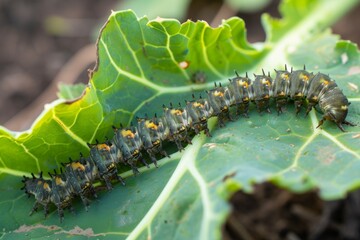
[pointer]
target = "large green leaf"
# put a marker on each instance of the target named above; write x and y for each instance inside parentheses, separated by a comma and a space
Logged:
(143, 64)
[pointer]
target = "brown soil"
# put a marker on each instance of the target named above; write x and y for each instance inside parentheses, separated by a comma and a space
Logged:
(271, 213)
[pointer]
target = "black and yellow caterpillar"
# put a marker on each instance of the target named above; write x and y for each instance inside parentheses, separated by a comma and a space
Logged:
(175, 125)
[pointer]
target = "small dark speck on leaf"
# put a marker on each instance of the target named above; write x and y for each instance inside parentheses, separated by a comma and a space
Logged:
(230, 175)
(198, 77)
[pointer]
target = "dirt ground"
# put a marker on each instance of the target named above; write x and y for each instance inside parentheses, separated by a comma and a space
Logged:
(44, 42)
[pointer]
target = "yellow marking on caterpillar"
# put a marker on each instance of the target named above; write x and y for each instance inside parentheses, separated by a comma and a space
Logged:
(324, 81)
(285, 76)
(315, 98)
(77, 166)
(103, 146)
(176, 112)
(151, 125)
(218, 94)
(265, 81)
(243, 83)
(305, 77)
(59, 181)
(46, 186)
(127, 133)
(39, 182)
(196, 104)
(344, 107)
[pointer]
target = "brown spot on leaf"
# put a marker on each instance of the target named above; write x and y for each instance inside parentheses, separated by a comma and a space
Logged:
(325, 155)
(80, 232)
(356, 135)
(26, 228)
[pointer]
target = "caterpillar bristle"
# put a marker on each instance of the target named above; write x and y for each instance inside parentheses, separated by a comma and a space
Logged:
(76, 177)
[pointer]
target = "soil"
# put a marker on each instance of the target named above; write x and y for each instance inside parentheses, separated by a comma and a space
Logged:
(44, 42)
(271, 213)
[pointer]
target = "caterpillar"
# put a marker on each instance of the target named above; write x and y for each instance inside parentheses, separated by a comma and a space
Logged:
(176, 124)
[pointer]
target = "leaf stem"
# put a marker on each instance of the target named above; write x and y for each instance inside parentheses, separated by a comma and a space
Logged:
(189, 156)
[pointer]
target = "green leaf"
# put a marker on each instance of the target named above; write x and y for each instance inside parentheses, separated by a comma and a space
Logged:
(70, 91)
(143, 64)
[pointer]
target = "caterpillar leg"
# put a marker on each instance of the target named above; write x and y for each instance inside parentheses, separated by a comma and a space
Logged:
(298, 104)
(46, 210)
(178, 144)
(134, 168)
(164, 153)
(120, 179)
(207, 132)
(221, 119)
(60, 213)
(34, 208)
(349, 123)
(280, 104)
(152, 156)
(107, 182)
(310, 107)
(85, 201)
(92, 191)
(243, 109)
(144, 162)
(329, 116)
(263, 105)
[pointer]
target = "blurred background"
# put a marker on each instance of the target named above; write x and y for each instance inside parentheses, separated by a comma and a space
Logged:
(45, 42)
